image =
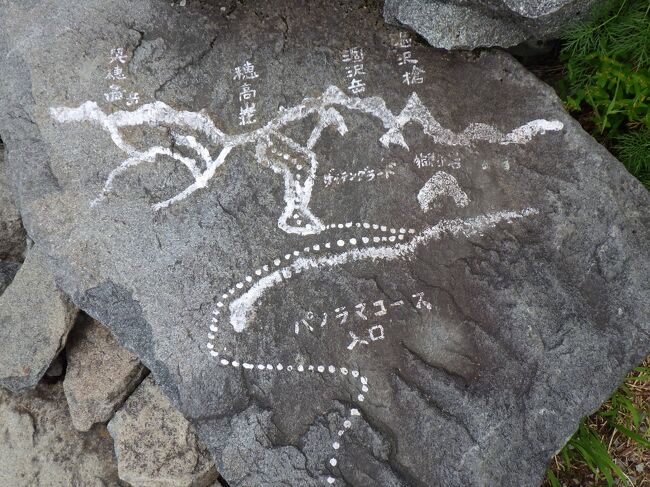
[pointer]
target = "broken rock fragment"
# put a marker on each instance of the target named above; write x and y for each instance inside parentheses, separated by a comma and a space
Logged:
(156, 446)
(100, 374)
(35, 318)
(40, 448)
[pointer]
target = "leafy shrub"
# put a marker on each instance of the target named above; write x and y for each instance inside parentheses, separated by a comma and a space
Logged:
(607, 66)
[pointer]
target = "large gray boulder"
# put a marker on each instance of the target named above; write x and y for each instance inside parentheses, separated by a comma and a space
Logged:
(362, 281)
(100, 374)
(40, 447)
(468, 24)
(35, 318)
(156, 446)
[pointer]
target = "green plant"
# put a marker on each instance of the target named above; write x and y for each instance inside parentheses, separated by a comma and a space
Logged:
(607, 67)
(623, 417)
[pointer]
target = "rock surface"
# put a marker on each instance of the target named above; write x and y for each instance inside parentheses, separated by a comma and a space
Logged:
(100, 374)
(473, 279)
(156, 446)
(40, 448)
(35, 318)
(8, 271)
(468, 24)
(12, 235)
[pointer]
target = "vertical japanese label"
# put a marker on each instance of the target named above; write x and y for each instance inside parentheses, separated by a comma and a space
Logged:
(412, 72)
(355, 72)
(116, 76)
(246, 75)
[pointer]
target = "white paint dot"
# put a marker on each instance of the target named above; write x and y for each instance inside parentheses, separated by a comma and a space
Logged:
(353, 241)
(376, 239)
(355, 373)
(332, 369)
(311, 367)
(287, 257)
(391, 238)
(383, 228)
(224, 362)
(239, 285)
(295, 252)
(210, 336)
(235, 363)
(265, 268)
(360, 397)
(402, 230)
(331, 480)
(219, 304)
(213, 353)
(341, 225)
(214, 328)
(375, 226)
(277, 261)
(340, 243)
(258, 272)
(401, 237)
(210, 346)
(341, 432)
(392, 230)
(290, 368)
(347, 424)
(285, 157)
(300, 368)
(358, 225)
(344, 371)
(269, 367)
(355, 412)
(366, 225)
(328, 245)
(261, 366)
(316, 247)
(364, 388)
(321, 368)
(365, 240)
(224, 296)
(249, 279)
(364, 380)
(348, 224)
(280, 367)
(336, 445)
(333, 462)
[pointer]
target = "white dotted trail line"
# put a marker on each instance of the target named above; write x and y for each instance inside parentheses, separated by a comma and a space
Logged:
(390, 234)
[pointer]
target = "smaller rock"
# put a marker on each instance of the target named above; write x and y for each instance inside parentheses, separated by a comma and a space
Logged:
(40, 447)
(469, 24)
(156, 446)
(56, 368)
(100, 375)
(35, 318)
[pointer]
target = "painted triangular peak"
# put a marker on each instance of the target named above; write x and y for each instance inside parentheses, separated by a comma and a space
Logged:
(298, 179)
